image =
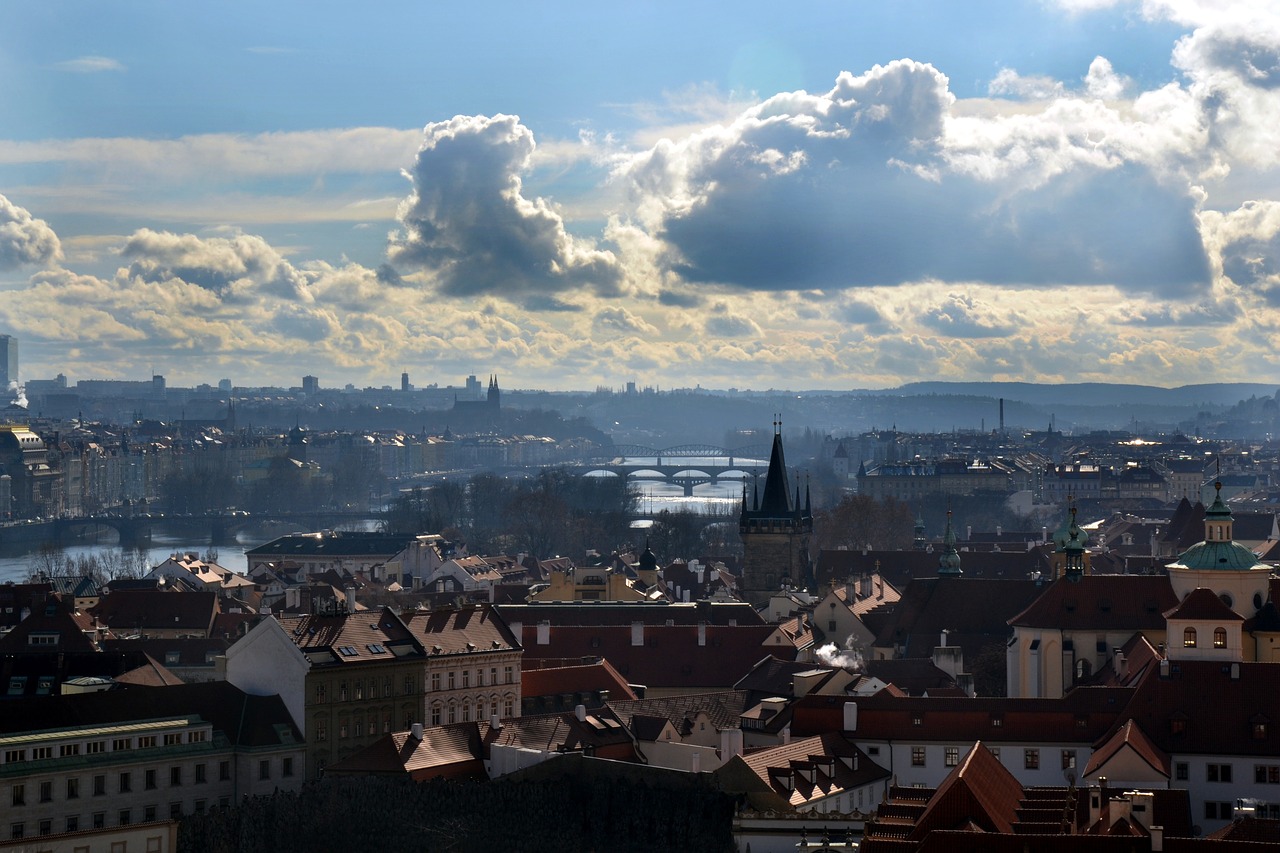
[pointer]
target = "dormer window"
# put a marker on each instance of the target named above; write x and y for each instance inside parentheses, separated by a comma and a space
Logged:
(1219, 638)
(1189, 638)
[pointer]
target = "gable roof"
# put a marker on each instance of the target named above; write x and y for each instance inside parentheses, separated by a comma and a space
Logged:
(453, 752)
(129, 610)
(980, 790)
(722, 708)
(1131, 738)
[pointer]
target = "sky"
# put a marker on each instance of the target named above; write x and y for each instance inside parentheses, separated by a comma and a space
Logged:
(814, 195)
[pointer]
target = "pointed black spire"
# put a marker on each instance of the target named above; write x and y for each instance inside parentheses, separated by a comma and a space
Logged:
(777, 496)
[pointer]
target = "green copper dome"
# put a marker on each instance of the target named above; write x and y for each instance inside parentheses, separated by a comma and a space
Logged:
(949, 562)
(1218, 552)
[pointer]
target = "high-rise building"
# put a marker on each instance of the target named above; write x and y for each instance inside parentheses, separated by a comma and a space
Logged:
(404, 382)
(310, 385)
(8, 360)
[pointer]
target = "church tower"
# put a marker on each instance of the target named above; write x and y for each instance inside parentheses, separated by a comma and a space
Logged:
(775, 530)
(494, 397)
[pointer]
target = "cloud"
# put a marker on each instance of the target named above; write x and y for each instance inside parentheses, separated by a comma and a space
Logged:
(24, 239)
(963, 316)
(90, 65)
(240, 267)
(468, 225)
(875, 182)
(620, 321)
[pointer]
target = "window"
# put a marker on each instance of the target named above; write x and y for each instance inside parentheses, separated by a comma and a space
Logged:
(94, 747)
(175, 811)
(46, 827)
(359, 690)
(18, 795)
(508, 706)
(386, 722)
(342, 692)
(1068, 759)
(493, 671)
(453, 713)
(173, 738)
(224, 771)
(1189, 638)
(1266, 774)
(480, 677)
(72, 824)
(149, 779)
(16, 830)
(125, 817)
(200, 774)
(175, 777)
(149, 814)
(951, 756)
(1259, 729)
(1219, 638)
(146, 742)
(264, 769)
(1031, 759)
(342, 730)
(126, 783)
(917, 719)
(14, 755)
(40, 753)
(46, 792)
(386, 687)
(408, 684)
(73, 789)
(1182, 771)
(435, 715)
(1218, 811)
(120, 743)
(451, 679)
(917, 756)
(68, 749)
(322, 730)
(506, 676)
(466, 678)
(99, 820)
(320, 693)
(200, 806)
(1218, 772)
(99, 785)
(286, 766)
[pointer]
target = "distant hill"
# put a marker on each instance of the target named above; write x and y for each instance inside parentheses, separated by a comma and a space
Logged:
(1092, 393)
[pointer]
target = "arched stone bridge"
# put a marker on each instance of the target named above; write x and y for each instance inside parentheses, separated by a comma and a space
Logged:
(686, 465)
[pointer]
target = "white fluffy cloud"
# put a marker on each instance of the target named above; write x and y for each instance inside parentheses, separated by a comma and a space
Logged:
(468, 225)
(25, 239)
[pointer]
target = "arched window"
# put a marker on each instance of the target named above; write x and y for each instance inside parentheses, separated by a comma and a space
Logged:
(1219, 638)
(436, 708)
(1189, 638)
(1083, 669)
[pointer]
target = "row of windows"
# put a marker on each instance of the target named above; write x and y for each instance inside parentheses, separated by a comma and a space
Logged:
(1219, 638)
(124, 783)
(1030, 757)
(124, 817)
(359, 689)
(97, 747)
(373, 689)
(441, 714)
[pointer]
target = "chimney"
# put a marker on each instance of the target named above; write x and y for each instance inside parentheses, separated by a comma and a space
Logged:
(351, 599)
(291, 597)
(637, 633)
(702, 633)
(1164, 668)
(850, 716)
(1157, 838)
(730, 743)
(416, 731)
(495, 722)
(1121, 664)
(580, 711)
(695, 762)
(544, 632)
(1235, 672)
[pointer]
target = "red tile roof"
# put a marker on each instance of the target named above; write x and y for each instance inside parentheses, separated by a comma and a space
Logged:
(1203, 604)
(585, 678)
(1102, 603)
(450, 752)
(1128, 738)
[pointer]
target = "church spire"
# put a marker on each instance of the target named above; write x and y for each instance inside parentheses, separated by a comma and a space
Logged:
(949, 562)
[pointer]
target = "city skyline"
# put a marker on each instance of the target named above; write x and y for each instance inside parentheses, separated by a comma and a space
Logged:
(854, 196)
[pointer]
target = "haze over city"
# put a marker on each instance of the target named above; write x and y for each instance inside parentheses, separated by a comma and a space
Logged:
(822, 196)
